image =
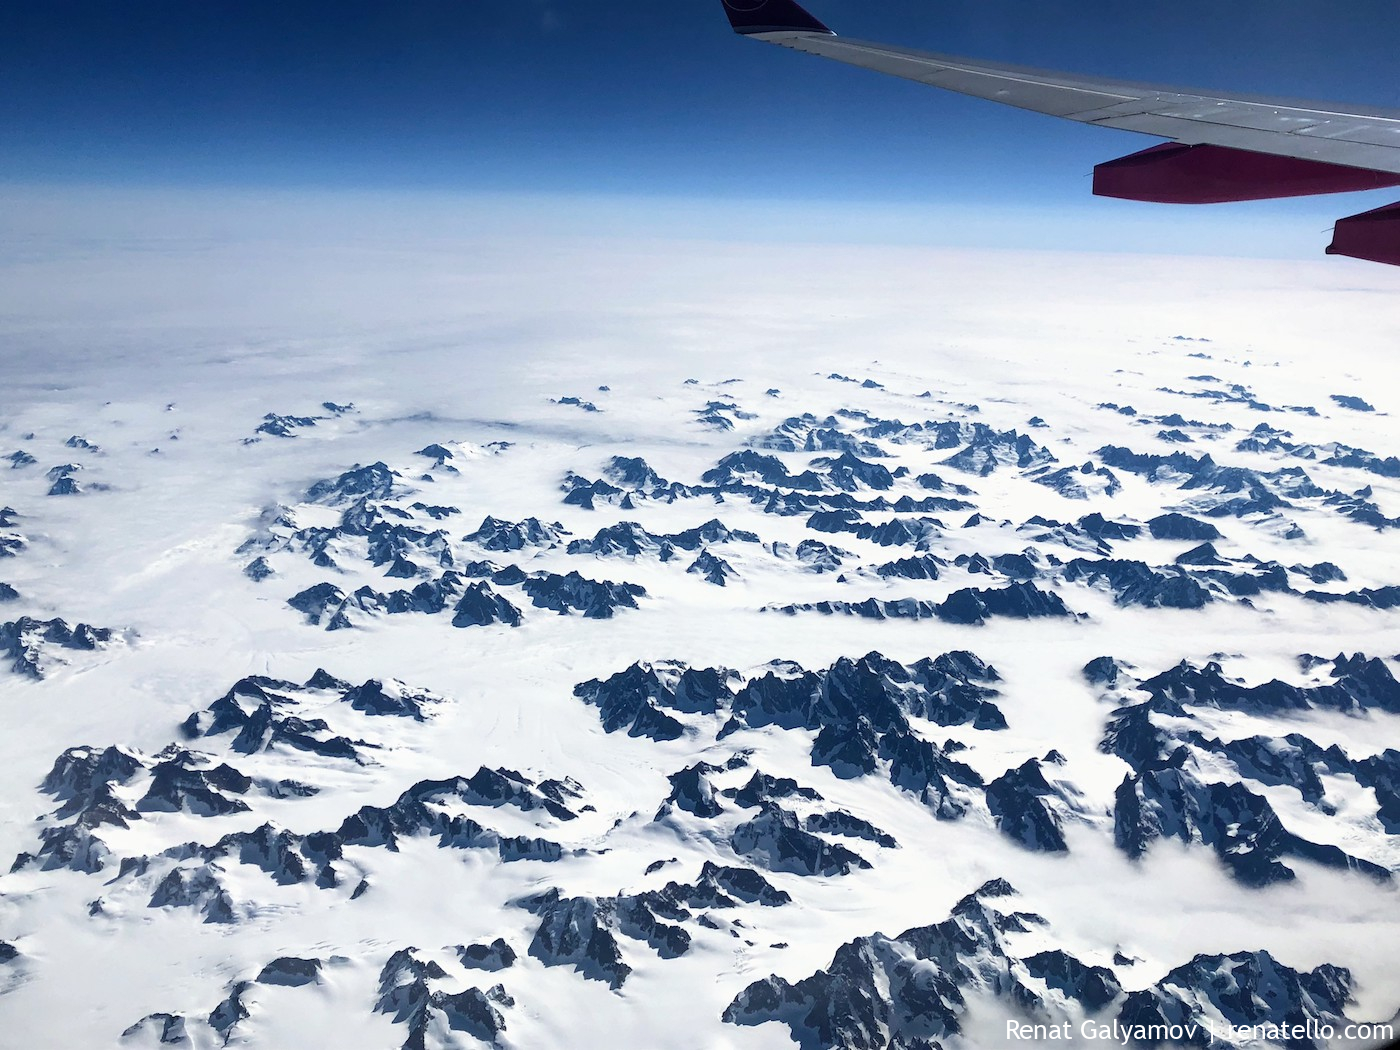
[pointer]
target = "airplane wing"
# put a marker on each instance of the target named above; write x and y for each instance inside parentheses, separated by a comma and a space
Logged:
(1236, 147)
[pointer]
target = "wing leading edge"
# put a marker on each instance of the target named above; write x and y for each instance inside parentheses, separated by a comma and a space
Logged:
(1230, 147)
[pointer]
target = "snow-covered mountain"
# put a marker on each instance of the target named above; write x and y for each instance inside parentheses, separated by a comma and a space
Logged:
(853, 705)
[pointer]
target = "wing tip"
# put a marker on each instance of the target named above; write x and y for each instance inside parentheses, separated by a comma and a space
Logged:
(756, 17)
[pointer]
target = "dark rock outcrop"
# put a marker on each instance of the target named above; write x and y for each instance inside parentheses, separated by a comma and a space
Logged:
(1079, 482)
(290, 972)
(1021, 601)
(64, 483)
(848, 473)
(839, 822)
(1134, 737)
(480, 605)
(1094, 986)
(392, 699)
(740, 469)
(708, 533)
(423, 810)
(168, 1029)
(28, 643)
(919, 567)
(254, 708)
(420, 811)
(639, 698)
(1134, 583)
(569, 399)
(319, 602)
(198, 889)
(1024, 806)
(580, 492)
(907, 992)
(987, 450)
(721, 886)
(405, 993)
(473, 605)
(860, 711)
(761, 788)
(778, 841)
(374, 482)
(1358, 684)
(1322, 572)
(496, 535)
(820, 557)
(1245, 989)
(498, 955)
(1102, 670)
(952, 689)
(1175, 526)
(969, 605)
(626, 539)
(585, 932)
(692, 792)
(918, 533)
(579, 932)
(284, 426)
(1099, 527)
(231, 1012)
(712, 569)
(258, 570)
(84, 780)
(1369, 597)
(1351, 401)
(1167, 799)
(184, 782)
(573, 593)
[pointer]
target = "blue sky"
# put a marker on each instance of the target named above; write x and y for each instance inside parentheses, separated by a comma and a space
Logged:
(626, 98)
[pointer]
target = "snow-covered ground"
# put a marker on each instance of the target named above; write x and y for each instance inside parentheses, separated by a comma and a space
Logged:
(431, 386)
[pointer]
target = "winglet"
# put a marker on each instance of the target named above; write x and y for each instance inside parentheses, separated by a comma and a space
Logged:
(752, 17)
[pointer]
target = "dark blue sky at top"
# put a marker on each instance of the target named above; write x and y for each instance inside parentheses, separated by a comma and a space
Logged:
(618, 96)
